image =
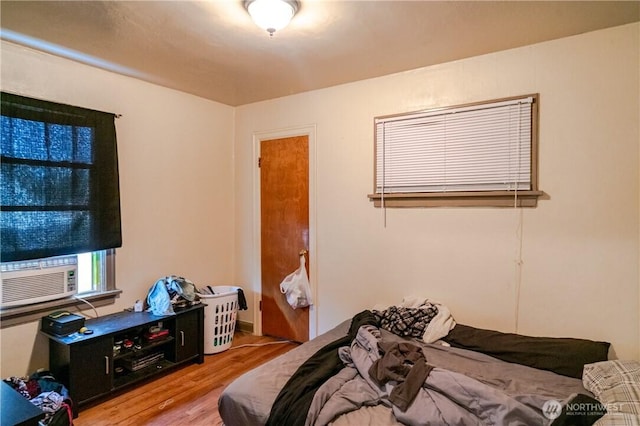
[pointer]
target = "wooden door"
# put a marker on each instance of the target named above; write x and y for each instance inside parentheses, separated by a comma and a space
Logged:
(284, 209)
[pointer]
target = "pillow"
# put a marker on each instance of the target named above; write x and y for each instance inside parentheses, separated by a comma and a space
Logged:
(616, 384)
(563, 356)
(618, 419)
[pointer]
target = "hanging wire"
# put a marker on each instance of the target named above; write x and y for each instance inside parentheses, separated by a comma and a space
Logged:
(382, 201)
(519, 236)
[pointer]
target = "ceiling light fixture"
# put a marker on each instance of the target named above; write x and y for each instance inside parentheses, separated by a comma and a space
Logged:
(271, 15)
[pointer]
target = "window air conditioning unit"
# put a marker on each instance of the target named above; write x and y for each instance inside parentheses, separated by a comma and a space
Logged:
(40, 280)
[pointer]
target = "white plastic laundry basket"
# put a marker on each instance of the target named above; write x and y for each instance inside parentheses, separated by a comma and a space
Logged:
(219, 318)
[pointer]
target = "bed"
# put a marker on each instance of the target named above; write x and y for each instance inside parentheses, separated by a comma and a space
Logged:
(476, 377)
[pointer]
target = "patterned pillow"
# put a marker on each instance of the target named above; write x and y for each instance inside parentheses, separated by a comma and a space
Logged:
(616, 384)
(618, 419)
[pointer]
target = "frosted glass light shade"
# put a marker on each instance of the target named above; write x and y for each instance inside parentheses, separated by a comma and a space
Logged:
(271, 15)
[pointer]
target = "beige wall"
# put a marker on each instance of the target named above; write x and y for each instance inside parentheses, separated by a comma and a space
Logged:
(580, 247)
(176, 181)
(187, 172)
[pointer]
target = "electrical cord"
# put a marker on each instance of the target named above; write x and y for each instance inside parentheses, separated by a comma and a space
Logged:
(88, 303)
(253, 345)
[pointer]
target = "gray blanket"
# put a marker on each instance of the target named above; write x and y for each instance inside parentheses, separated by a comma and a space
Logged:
(247, 401)
(445, 398)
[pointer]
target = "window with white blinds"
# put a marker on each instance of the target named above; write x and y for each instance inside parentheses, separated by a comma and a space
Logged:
(472, 150)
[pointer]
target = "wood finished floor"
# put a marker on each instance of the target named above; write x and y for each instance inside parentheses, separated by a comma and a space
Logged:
(187, 396)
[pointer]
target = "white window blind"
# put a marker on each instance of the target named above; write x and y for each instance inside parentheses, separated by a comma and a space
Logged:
(483, 147)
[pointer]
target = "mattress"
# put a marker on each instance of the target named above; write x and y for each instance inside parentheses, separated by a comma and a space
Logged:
(249, 399)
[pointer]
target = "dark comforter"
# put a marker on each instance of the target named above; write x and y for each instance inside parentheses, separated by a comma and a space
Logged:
(296, 396)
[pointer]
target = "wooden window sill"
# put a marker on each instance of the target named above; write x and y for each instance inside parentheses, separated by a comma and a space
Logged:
(459, 199)
(29, 313)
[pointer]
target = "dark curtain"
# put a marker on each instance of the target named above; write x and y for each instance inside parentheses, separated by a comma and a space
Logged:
(59, 188)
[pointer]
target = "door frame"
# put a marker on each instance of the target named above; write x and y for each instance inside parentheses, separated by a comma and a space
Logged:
(258, 137)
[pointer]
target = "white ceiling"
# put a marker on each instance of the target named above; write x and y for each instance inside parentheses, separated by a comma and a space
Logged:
(212, 48)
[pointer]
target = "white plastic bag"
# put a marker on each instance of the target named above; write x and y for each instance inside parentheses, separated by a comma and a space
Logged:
(296, 287)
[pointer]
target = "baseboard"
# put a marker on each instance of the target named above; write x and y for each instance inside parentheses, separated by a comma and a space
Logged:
(245, 326)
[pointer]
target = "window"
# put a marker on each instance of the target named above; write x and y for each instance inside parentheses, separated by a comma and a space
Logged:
(59, 188)
(92, 272)
(482, 154)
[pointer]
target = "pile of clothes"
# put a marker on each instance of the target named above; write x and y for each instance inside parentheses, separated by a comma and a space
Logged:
(43, 391)
(171, 292)
(416, 317)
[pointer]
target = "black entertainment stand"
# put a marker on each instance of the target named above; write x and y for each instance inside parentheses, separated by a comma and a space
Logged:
(125, 348)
